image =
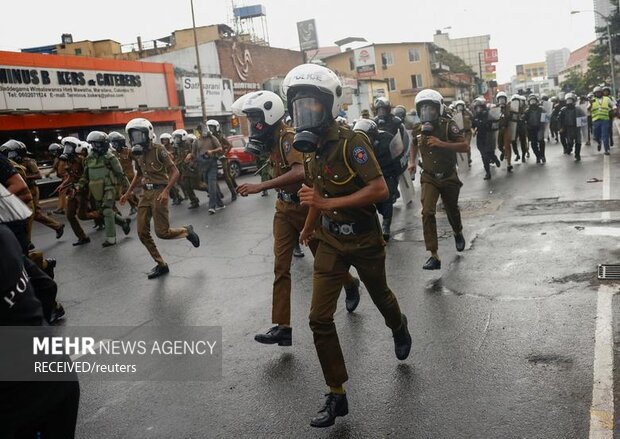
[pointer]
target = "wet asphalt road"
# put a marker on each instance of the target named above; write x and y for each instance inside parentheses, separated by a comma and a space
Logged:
(503, 334)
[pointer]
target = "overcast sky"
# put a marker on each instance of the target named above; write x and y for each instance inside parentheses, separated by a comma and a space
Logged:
(521, 29)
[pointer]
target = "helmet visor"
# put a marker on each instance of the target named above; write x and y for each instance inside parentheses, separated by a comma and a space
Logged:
(428, 112)
(382, 111)
(502, 100)
(258, 128)
(138, 137)
(308, 113)
(68, 150)
(117, 144)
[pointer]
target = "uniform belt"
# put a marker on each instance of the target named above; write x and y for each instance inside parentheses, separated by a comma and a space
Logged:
(153, 187)
(345, 229)
(288, 197)
(438, 175)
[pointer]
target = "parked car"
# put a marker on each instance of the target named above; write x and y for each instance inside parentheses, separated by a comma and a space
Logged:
(239, 160)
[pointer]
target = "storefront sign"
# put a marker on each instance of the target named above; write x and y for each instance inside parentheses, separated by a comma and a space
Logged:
(218, 95)
(36, 89)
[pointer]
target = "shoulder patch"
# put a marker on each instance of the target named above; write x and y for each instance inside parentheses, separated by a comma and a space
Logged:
(360, 155)
(287, 146)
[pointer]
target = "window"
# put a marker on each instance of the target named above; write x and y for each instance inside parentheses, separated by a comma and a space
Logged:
(391, 84)
(416, 81)
(352, 63)
(414, 55)
(78, 51)
(387, 59)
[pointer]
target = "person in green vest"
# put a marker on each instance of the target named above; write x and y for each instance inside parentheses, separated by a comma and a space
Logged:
(102, 174)
(601, 107)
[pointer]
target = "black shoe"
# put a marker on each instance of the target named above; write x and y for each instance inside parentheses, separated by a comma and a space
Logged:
(278, 334)
(487, 177)
(432, 264)
(30, 246)
(469, 163)
(517, 158)
(577, 158)
(132, 211)
(598, 147)
(192, 236)
(459, 240)
(193, 206)
(233, 197)
(126, 226)
(498, 163)
(386, 229)
(82, 241)
(58, 212)
(352, 298)
(501, 156)
(509, 168)
(176, 202)
(527, 154)
(606, 152)
(336, 404)
(49, 270)
(544, 160)
(158, 270)
(60, 231)
(57, 313)
(402, 340)
(298, 252)
(537, 161)
(107, 243)
(523, 159)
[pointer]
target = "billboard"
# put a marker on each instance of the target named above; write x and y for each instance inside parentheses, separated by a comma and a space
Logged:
(365, 62)
(51, 89)
(308, 40)
(490, 56)
(218, 93)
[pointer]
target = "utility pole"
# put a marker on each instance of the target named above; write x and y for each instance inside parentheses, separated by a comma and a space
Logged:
(480, 67)
(202, 90)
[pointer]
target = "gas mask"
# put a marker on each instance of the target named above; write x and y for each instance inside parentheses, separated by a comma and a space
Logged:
(139, 141)
(117, 144)
(427, 128)
(428, 112)
(311, 119)
(501, 100)
(100, 148)
(382, 112)
(68, 152)
(460, 108)
(15, 156)
(570, 102)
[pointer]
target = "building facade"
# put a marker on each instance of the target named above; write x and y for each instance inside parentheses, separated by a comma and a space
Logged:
(469, 49)
(529, 72)
(577, 62)
(556, 61)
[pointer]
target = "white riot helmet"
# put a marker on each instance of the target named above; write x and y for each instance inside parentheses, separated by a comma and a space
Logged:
(141, 135)
(264, 110)
(501, 98)
(237, 106)
(165, 138)
(429, 105)
(313, 95)
(570, 98)
(532, 99)
(70, 145)
(478, 103)
(179, 136)
(213, 126)
(459, 105)
(597, 90)
(83, 148)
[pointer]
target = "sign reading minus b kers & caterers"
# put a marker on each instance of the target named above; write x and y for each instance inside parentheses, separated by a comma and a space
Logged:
(45, 89)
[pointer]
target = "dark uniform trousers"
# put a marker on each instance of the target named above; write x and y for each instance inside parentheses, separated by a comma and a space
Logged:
(230, 180)
(77, 208)
(288, 223)
(432, 188)
(149, 208)
(189, 181)
(334, 257)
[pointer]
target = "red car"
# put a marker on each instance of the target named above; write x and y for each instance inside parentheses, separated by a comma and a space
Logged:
(239, 161)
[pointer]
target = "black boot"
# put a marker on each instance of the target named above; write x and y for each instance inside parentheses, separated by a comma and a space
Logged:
(158, 270)
(298, 252)
(459, 240)
(82, 241)
(402, 340)
(60, 231)
(126, 226)
(192, 236)
(336, 404)
(278, 334)
(352, 295)
(432, 264)
(387, 222)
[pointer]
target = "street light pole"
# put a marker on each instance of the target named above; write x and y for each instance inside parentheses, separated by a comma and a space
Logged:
(611, 52)
(480, 67)
(202, 91)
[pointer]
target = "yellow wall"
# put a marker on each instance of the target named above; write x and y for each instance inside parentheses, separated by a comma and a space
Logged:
(97, 49)
(185, 38)
(532, 66)
(401, 69)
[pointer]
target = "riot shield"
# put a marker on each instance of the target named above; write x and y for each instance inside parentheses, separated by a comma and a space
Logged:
(458, 118)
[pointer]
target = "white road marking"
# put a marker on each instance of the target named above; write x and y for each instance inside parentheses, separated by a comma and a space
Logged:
(602, 409)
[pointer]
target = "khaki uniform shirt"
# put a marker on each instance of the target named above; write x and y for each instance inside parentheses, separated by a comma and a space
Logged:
(31, 169)
(344, 164)
(284, 156)
(153, 165)
(438, 160)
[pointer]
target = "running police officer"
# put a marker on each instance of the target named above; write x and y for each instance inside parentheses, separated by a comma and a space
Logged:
(347, 182)
(438, 139)
(159, 173)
